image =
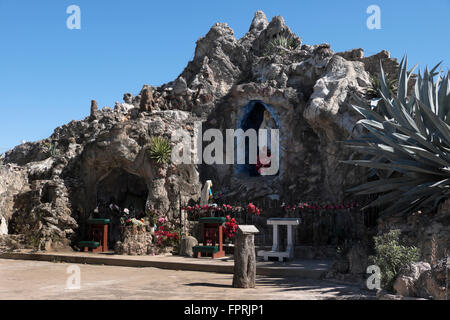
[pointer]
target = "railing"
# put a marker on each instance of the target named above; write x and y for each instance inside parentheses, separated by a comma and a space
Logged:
(320, 225)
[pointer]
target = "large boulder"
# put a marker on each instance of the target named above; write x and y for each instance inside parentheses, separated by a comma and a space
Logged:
(13, 180)
(186, 245)
(419, 279)
(405, 284)
(431, 283)
(135, 241)
(330, 114)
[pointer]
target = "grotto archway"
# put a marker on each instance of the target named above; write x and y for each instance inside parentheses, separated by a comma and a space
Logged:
(253, 115)
(118, 190)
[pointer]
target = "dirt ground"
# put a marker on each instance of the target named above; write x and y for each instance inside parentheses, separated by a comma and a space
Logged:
(38, 280)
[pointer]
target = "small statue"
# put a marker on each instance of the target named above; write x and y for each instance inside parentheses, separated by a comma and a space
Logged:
(267, 123)
(206, 193)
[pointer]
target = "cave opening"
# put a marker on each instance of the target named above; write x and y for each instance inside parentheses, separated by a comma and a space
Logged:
(118, 191)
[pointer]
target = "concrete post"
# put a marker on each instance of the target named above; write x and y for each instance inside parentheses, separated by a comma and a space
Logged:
(275, 245)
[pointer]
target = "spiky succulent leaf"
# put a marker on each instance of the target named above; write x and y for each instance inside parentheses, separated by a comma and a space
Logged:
(409, 137)
(280, 41)
(160, 150)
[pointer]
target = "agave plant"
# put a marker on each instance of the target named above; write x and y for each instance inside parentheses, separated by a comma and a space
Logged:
(160, 150)
(409, 140)
(374, 91)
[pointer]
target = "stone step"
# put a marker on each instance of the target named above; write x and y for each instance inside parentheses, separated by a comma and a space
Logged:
(308, 252)
(303, 269)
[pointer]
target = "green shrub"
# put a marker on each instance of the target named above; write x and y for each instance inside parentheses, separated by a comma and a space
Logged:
(160, 150)
(390, 256)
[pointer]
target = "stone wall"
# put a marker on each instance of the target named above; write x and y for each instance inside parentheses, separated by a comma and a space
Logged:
(429, 232)
(13, 180)
(135, 240)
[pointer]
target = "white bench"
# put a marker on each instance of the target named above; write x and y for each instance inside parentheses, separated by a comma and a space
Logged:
(275, 252)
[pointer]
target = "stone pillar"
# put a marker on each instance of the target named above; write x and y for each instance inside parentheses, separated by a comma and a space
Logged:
(146, 103)
(94, 109)
(245, 257)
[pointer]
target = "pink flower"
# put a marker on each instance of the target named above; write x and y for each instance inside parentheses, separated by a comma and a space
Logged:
(162, 220)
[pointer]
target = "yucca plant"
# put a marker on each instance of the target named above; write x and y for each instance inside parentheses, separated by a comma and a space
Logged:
(409, 140)
(288, 43)
(160, 150)
(52, 149)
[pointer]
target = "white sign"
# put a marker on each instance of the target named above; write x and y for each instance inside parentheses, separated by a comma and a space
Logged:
(248, 228)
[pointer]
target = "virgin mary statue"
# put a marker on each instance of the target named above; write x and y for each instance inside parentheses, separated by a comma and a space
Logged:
(267, 123)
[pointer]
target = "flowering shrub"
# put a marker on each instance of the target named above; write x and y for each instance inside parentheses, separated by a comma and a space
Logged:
(253, 209)
(165, 234)
(305, 206)
(133, 222)
(230, 227)
(206, 210)
(165, 238)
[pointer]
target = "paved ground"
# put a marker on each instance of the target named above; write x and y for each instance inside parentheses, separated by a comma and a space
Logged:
(21, 279)
(301, 268)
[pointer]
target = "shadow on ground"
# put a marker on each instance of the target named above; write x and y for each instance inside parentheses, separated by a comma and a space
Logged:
(205, 284)
(322, 286)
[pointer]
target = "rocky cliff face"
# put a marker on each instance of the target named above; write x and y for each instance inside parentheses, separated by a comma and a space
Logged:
(52, 186)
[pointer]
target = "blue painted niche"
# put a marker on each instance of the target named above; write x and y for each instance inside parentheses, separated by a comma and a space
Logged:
(251, 117)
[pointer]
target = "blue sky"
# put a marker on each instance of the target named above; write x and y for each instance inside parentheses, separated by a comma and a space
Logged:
(49, 73)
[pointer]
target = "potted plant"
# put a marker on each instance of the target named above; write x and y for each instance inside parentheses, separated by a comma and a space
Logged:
(152, 217)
